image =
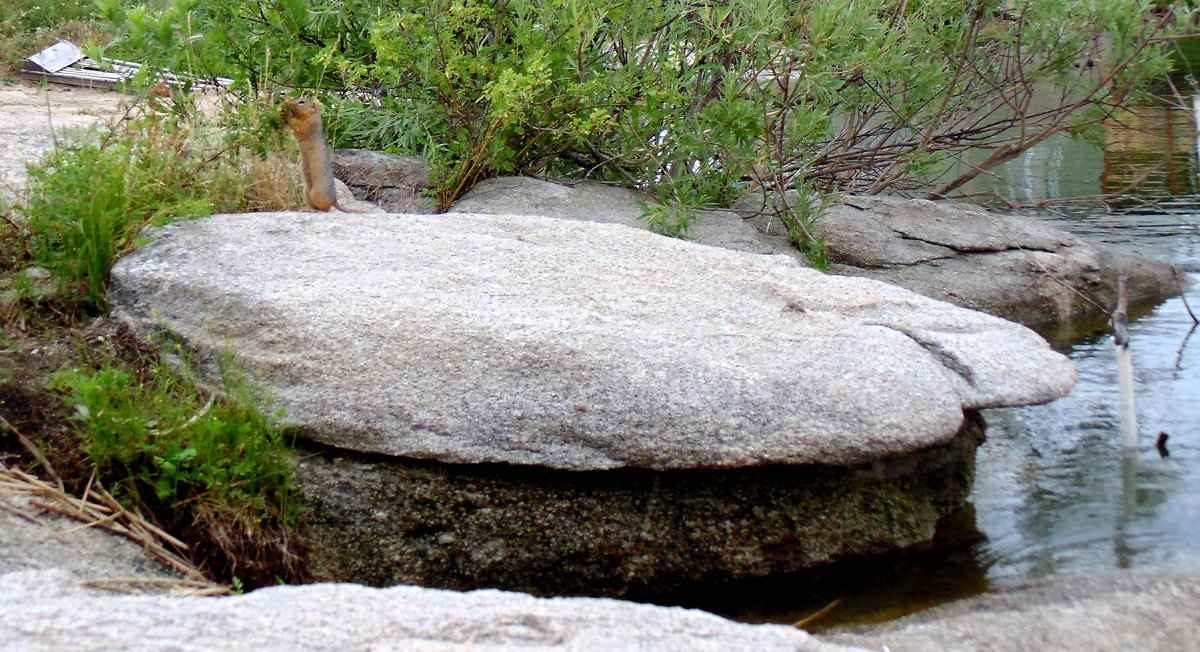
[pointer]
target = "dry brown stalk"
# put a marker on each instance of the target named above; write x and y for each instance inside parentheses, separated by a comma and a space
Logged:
(98, 508)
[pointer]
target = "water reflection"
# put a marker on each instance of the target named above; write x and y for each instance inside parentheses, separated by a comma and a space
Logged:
(1054, 491)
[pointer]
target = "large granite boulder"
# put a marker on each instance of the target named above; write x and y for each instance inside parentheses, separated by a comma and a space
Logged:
(46, 611)
(765, 416)
(528, 340)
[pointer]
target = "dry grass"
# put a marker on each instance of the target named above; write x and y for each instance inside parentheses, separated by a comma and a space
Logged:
(273, 184)
(97, 508)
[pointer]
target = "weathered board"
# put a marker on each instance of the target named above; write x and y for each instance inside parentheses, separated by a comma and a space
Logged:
(65, 63)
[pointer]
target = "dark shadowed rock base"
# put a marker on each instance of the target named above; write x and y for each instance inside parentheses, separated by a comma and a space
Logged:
(380, 521)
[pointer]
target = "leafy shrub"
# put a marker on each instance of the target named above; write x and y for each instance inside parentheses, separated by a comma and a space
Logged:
(212, 465)
(698, 102)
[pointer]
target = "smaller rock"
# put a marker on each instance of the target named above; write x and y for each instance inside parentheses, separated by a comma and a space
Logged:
(31, 539)
(591, 201)
(1115, 612)
(392, 181)
(1015, 267)
(46, 611)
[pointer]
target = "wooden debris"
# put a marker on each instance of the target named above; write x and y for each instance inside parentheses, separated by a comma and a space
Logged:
(65, 63)
(1125, 390)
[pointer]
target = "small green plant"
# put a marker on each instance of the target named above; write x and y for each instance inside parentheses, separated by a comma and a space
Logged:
(213, 465)
(162, 161)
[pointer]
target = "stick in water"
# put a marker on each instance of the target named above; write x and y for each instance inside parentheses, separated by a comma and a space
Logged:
(1120, 322)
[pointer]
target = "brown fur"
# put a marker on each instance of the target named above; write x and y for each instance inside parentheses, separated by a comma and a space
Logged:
(303, 115)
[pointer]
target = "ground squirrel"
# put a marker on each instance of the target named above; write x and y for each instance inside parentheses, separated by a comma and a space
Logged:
(303, 115)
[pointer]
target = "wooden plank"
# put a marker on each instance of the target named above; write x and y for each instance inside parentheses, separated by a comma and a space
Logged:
(74, 79)
(54, 58)
(79, 70)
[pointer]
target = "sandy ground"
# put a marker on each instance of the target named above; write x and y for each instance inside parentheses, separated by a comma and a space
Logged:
(30, 118)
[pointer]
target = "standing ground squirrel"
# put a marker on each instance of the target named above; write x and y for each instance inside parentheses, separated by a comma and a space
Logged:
(303, 115)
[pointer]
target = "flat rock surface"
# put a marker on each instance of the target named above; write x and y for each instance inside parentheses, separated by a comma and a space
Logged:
(46, 611)
(1106, 612)
(574, 345)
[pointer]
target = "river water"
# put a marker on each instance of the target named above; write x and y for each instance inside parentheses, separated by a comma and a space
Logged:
(1054, 491)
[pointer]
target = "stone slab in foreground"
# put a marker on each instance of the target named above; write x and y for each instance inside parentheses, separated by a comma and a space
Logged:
(1113, 611)
(46, 611)
(573, 345)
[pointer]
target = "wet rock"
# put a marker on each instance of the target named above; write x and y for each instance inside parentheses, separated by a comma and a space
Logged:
(1103, 612)
(572, 345)
(1016, 267)
(46, 611)
(631, 532)
(392, 181)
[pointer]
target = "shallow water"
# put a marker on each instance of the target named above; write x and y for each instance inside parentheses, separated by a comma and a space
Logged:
(1054, 492)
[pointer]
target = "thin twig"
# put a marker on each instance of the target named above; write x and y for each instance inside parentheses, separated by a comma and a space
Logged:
(33, 450)
(820, 613)
(1183, 295)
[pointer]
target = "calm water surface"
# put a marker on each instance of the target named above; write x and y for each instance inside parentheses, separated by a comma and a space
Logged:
(1054, 492)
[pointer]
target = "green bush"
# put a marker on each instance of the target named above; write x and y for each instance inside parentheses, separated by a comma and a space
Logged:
(697, 102)
(212, 465)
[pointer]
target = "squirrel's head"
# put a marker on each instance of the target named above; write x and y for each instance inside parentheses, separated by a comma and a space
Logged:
(300, 108)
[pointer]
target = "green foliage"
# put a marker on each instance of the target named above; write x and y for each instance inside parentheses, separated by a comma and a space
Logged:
(164, 161)
(697, 102)
(159, 438)
(209, 465)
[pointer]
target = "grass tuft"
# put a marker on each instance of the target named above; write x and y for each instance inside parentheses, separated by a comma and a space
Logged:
(212, 466)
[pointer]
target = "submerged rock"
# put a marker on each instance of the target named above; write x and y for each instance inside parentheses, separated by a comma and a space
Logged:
(47, 611)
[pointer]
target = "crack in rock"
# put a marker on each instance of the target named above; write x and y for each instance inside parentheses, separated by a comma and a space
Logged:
(970, 250)
(944, 356)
